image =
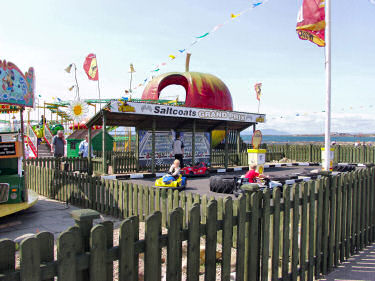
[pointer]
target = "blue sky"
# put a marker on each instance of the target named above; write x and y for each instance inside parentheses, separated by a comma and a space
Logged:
(261, 45)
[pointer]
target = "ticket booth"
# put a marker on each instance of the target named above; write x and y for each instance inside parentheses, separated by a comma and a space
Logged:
(257, 156)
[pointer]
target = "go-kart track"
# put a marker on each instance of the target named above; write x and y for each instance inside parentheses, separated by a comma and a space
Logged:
(201, 184)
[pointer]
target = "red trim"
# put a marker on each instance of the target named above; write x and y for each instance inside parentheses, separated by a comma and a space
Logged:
(31, 145)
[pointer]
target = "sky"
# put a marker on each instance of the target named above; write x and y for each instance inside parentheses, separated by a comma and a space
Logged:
(260, 46)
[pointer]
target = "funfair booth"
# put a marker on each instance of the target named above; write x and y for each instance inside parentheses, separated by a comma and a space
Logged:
(152, 120)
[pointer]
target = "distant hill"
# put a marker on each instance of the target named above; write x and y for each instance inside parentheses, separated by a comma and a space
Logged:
(272, 132)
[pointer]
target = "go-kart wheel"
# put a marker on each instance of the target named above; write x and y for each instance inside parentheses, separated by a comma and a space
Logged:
(207, 173)
(191, 173)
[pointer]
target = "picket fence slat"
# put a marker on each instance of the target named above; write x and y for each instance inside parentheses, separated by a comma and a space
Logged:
(152, 248)
(295, 232)
(98, 253)
(174, 249)
(286, 234)
(227, 238)
(211, 237)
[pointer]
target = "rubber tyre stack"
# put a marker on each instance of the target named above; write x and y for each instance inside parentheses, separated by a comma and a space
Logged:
(222, 184)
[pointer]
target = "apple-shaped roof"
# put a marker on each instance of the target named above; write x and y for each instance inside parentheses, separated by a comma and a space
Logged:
(203, 90)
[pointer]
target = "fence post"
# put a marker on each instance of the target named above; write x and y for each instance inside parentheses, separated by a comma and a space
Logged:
(226, 156)
(104, 155)
(83, 219)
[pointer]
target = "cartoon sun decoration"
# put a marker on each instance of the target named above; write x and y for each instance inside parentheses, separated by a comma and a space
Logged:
(78, 110)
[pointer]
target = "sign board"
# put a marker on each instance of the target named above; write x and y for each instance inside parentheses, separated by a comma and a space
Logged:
(256, 139)
(184, 112)
(8, 149)
(15, 87)
(163, 147)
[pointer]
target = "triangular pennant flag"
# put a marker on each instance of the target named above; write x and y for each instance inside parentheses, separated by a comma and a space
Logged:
(233, 16)
(204, 35)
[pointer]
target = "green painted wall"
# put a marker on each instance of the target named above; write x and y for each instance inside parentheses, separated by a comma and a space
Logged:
(73, 144)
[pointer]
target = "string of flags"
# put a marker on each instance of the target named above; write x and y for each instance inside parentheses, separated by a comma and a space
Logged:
(198, 38)
(300, 115)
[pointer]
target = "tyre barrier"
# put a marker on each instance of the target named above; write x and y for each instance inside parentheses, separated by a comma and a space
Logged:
(222, 184)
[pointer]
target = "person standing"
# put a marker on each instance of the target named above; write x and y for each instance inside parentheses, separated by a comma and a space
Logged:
(84, 148)
(58, 144)
(178, 150)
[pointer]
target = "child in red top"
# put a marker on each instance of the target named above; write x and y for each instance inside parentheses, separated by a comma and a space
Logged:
(252, 174)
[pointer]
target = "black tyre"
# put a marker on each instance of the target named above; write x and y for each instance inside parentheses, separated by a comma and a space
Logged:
(213, 183)
(228, 186)
(222, 184)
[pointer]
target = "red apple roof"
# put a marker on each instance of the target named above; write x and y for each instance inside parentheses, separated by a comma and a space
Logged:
(203, 90)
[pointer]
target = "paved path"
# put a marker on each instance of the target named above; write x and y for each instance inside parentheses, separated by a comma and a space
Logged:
(359, 267)
(46, 215)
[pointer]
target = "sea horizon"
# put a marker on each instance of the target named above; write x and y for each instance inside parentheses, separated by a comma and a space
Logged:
(310, 139)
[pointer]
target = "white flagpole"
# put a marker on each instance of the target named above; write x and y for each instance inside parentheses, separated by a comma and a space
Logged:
(327, 139)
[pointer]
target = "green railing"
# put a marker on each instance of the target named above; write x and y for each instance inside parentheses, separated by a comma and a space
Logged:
(304, 232)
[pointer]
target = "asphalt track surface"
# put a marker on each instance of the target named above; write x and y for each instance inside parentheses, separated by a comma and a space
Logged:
(201, 186)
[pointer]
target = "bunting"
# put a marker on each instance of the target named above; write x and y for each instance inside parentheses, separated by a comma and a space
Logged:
(203, 35)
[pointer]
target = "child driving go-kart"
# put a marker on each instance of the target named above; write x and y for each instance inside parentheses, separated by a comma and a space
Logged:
(174, 170)
(252, 175)
(173, 178)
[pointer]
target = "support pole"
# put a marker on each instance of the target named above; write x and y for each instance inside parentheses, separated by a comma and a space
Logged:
(23, 154)
(137, 148)
(104, 155)
(226, 146)
(327, 139)
(211, 158)
(153, 146)
(89, 158)
(238, 147)
(193, 144)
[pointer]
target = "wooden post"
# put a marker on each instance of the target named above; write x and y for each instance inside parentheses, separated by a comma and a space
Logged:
(193, 144)
(137, 148)
(104, 156)
(211, 148)
(238, 147)
(23, 154)
(226, 146)
(153, 146)
(89, 159)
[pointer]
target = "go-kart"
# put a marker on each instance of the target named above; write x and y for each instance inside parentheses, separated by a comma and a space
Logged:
(200, 169)
(168, 181)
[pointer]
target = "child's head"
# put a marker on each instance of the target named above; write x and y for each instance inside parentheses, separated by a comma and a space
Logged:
(253, 167)
(176, 163)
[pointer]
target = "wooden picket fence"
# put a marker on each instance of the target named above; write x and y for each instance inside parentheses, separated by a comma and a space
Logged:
(295, 233)
(312, 152)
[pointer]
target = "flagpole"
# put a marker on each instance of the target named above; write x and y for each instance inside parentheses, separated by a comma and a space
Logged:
(327, 139)
(100, 103)
(258, 105)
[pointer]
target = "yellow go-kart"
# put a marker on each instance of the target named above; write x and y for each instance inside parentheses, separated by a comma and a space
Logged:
(168, 181)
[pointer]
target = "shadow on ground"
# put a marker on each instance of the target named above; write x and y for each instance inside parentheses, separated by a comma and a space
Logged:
(359, 267)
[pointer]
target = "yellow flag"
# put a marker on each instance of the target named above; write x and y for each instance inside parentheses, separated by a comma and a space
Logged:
(234, 16)
(172, 57)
